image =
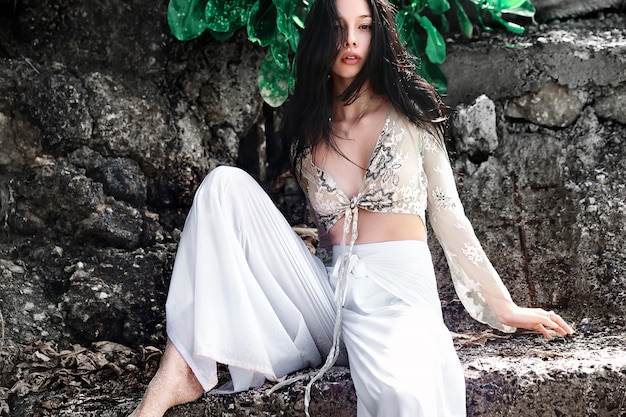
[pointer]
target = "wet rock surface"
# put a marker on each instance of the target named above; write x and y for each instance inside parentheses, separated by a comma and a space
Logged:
(108, 125)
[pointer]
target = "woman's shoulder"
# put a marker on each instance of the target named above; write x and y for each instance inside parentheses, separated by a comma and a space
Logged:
(400, 120)
(423, 134)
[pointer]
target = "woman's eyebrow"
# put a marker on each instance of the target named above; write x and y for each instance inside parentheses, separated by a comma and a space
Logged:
(363, 16)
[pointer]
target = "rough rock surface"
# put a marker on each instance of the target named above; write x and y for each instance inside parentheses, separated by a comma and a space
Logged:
(576, 54)
(563, 9)
(520, 375)
(107, 126)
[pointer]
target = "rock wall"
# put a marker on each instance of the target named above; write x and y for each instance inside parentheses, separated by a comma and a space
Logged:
(108, 124)
(539, 145)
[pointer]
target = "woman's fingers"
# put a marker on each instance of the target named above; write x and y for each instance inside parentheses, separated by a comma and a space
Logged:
(529, 318)
(540, 320)
(551, 320)
(543, 331)
(558, 324)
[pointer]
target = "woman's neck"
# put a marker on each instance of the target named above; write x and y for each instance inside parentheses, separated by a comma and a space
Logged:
(364, 101)
(353, 111)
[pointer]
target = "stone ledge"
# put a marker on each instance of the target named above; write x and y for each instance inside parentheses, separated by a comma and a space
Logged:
(568, 377)
(577, 54)
(522, 375)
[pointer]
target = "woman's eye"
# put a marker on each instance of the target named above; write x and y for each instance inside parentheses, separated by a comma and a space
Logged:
(365, 26)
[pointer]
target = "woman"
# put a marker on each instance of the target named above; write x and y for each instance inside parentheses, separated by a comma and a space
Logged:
(366, 135)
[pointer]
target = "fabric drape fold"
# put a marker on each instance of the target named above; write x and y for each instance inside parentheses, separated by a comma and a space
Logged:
(245, 290)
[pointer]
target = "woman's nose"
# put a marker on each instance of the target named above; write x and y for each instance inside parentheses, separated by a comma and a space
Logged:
(351, 40)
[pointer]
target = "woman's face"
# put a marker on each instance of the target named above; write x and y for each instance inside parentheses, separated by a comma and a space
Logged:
(355, 20)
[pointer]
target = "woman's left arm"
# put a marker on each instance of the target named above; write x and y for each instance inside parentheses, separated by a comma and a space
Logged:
(476, 282)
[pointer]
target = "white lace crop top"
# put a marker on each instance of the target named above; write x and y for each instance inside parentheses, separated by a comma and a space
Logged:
(409, 172)
(394, 182)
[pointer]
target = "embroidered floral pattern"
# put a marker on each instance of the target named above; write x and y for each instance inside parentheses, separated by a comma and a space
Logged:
(430, 145)
(474, 254)
(472, 286)
(443, 201)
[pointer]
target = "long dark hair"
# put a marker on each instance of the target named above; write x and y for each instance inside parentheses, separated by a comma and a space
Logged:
(389, 68)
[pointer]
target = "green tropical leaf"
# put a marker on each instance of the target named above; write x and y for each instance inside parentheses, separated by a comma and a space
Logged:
(483, 4)
(298, 21)
(435, 44)
(417, 5)
(519, 8)
(403, 19)
(287, 27)
(434, 75)
(438, 6)
(513, 27)
(509, 4)
(262, 23)
(186, 18)
(479, 17)
(445, 25)
(431, 72)
(227, 15)
(416, 45)
(280, 52)
(466, 26)
(290, 20)
(273, 81)
(221, 36)
(406, 24)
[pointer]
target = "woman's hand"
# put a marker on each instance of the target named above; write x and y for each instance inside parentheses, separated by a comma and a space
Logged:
(538, 319)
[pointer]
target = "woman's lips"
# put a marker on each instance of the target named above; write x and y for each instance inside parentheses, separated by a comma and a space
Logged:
(350, 59)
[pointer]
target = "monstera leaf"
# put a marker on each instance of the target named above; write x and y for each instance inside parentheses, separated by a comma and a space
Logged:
(276, 25)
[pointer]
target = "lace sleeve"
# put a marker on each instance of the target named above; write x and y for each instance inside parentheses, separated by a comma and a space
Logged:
(473, 275)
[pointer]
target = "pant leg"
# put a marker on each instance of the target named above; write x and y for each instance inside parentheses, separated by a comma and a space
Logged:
(402, 358)
(245, 290)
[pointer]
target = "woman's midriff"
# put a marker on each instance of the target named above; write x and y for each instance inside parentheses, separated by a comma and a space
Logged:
(382, 227)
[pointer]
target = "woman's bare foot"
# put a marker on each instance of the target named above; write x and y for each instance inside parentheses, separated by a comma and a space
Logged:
(174, 383)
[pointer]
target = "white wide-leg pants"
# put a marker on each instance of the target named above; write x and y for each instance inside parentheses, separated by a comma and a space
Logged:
(246, 292)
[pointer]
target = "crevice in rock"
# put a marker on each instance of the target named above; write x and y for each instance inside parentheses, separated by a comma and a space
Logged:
(517, 198)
